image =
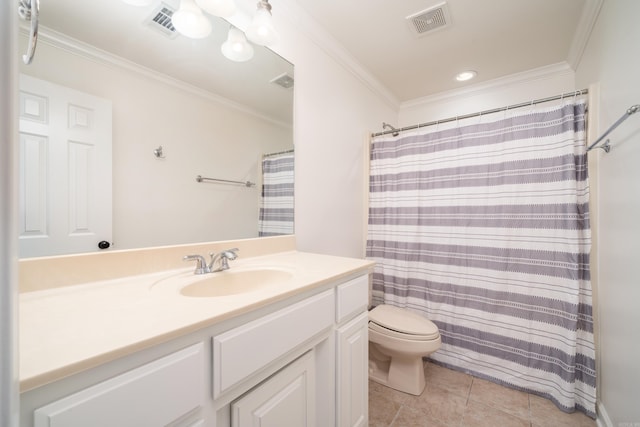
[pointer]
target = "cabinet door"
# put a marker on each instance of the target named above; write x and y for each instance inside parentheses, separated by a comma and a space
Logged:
(352, 373)
(287, 399)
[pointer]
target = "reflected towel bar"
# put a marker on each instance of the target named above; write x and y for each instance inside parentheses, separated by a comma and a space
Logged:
(606, 147)
(277, 153)
(201, 178)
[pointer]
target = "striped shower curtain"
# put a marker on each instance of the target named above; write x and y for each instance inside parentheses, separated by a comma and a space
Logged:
(276, 203)
(484, 229)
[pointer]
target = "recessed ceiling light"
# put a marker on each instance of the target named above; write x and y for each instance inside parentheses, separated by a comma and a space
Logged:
(465, 75)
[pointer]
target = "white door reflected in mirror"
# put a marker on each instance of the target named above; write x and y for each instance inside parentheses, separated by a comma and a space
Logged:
(65, 170)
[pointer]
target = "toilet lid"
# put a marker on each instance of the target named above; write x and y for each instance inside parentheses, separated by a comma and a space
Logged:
(403, 321)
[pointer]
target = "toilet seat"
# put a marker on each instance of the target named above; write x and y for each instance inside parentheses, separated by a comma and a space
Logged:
(395, 334)
(401, 323)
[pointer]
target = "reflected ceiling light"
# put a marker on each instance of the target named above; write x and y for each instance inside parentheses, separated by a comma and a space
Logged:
(190, 21)
(261, 31)
(466, 75)
(237, 48)
(138, 2)
(222, 8)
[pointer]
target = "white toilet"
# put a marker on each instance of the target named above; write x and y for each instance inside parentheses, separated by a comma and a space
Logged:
(398, 340)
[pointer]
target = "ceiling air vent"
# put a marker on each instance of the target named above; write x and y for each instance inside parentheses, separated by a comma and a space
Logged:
(160, 20)
(428, 20)
(284, 80)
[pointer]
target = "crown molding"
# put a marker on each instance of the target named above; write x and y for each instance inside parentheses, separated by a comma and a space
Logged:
(541, 73)
(318, 35)
(583, 31)
(84, 50)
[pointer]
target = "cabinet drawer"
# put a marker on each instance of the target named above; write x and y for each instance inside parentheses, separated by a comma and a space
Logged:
(243, 351)
(154, 394)
(352, 298)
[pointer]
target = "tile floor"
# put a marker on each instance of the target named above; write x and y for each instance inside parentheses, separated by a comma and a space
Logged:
(455, 399)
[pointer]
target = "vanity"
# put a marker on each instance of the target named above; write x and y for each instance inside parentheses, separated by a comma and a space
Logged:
(284, 345)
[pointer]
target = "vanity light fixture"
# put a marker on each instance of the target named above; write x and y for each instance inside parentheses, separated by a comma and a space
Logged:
(261, 30)
(237, 48)
(190, 21)
(466, 75)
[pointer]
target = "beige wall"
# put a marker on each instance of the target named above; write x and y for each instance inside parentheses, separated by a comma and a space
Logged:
(157, 201)
(611, 58)
(335, 109)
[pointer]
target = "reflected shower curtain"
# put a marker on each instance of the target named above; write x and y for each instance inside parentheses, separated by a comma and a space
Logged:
(484, 229)
(276, 203)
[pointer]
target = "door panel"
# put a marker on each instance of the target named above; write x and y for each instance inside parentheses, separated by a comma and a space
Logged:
(65, 169)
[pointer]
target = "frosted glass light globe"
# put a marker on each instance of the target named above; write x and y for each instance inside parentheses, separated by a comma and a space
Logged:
(236, 48)
(190, 21)
(261, 31)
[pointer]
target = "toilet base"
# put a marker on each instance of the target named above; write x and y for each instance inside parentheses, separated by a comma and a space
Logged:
(405, 374)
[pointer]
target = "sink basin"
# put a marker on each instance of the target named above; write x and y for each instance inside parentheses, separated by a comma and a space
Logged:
(234, 282)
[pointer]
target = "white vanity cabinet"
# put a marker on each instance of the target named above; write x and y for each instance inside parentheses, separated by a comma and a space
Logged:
(271, 366)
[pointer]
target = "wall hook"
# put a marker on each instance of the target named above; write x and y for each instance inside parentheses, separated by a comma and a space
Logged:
(158, 153)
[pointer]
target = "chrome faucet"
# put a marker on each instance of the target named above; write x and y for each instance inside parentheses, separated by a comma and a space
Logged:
(201, 264)
(224, 257)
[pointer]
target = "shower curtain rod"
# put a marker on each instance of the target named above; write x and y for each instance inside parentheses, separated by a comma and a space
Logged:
(482, 113)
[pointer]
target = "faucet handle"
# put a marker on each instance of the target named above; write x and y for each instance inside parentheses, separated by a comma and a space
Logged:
(231, 253)
(223, 256)
(227, 253)
(201, 264)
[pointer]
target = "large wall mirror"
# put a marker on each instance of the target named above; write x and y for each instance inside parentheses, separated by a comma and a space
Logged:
(179, 109)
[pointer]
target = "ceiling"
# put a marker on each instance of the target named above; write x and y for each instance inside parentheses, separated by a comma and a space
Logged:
(495, 38)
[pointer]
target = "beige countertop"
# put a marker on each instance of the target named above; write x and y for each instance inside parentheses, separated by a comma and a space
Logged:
(66, 330)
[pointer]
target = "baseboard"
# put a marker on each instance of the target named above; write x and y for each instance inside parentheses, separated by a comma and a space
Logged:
(603, 419)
